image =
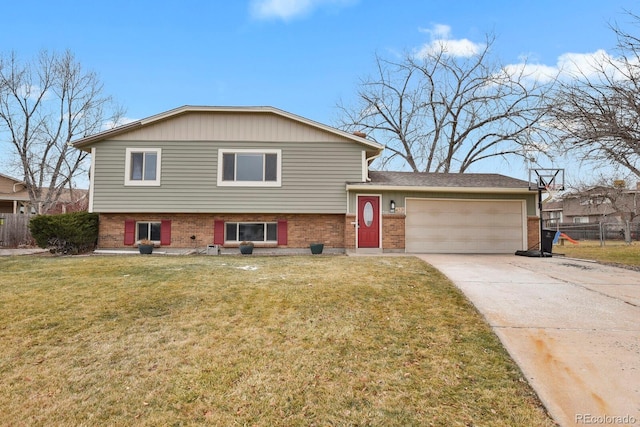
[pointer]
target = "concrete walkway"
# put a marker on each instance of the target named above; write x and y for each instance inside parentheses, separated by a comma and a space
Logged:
(572, 326)
(30, 251)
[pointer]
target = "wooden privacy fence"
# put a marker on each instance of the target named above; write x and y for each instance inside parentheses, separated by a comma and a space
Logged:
(14, 230)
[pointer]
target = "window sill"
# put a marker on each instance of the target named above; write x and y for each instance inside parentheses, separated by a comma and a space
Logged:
(129, 183)
(255, 244)
(249, 184)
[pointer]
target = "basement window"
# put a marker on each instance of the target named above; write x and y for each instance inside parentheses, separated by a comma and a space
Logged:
(257, 232)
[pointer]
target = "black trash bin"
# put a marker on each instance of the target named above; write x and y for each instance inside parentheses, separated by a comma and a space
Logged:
(547, 240)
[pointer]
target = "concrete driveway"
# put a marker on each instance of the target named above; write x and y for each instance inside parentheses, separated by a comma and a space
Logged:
(572, 326)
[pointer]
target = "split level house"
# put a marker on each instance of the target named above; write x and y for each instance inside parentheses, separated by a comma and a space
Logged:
(199, 175)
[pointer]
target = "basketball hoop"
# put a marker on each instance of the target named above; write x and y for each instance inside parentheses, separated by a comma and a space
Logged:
(552, 191)
(550, 181)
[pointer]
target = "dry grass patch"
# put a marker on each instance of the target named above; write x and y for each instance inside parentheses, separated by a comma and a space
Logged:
(248, 341)
(613, 252)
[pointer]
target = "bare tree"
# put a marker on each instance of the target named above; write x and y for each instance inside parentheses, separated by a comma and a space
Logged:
(597, 113)
(45, 104)
(443, 113)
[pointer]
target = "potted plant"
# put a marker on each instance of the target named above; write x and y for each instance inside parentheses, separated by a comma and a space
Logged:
(145, 246)
(246, 248)
(316, 248)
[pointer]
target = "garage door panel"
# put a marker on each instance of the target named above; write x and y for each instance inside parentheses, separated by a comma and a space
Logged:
(464, 226)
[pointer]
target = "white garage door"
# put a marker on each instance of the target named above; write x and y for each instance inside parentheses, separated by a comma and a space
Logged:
(464, 226)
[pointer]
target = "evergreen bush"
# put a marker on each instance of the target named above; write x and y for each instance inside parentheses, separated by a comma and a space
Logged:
(71, 233)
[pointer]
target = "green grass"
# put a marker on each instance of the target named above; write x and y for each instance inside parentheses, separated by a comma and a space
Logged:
(613, 252)
(264, 341)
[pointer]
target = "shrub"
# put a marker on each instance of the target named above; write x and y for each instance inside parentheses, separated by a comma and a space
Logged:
(71, 233)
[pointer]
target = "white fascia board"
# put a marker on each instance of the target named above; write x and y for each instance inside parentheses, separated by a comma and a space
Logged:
(483, 190)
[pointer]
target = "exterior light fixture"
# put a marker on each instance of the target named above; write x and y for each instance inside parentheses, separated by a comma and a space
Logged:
(392, 207)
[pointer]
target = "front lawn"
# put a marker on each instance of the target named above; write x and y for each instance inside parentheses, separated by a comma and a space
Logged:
(265, 341)
(612, 252)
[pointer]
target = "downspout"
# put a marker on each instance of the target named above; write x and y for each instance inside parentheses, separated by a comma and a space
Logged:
(15, 202)
(18, 183)
(368, 162)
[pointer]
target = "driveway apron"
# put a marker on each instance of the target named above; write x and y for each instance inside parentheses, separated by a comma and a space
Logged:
(572, 326)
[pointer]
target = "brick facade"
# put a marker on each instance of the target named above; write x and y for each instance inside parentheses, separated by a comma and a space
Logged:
(393, 237)
(392, 232)
(350, 231)
(301, 229)
(533, 232)
(334, 230)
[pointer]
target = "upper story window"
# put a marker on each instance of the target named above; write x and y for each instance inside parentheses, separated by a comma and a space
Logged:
(249, 168)
(142, 166)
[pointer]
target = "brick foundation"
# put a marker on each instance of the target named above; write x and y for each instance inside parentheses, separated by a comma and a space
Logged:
(301, 229)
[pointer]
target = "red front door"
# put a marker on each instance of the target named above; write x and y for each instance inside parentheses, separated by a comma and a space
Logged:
(368, 221)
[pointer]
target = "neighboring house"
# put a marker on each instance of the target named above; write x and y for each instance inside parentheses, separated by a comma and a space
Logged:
(196, 176)
(594, 205)
(71, 200)
(14, 197)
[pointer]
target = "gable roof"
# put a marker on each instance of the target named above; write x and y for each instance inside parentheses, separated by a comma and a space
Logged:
(10, 178)
(83, 143)
(457, 182)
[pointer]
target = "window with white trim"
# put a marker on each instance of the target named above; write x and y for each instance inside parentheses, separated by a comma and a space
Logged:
(142, 166)
(580, 219)
(148, 231)
(257, 232)
(248, 167)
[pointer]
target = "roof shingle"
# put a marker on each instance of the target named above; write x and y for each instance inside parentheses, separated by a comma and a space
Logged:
(454, 180)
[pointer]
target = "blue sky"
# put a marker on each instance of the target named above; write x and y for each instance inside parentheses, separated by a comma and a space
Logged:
(301, 56)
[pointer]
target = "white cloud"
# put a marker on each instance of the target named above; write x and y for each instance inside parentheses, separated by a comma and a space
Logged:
(571, 66)
(534, 72)
(438, 31)
(441, 42)
(287, 10)
(583, 64)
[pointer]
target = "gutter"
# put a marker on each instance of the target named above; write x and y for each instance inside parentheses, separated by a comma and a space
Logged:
(479, 190)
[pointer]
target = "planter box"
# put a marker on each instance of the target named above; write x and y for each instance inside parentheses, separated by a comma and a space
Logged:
(316, 248)
(145, 249)
(246, 249)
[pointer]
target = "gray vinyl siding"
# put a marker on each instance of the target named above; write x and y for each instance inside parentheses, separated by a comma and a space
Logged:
(399, 198)
(314, 176)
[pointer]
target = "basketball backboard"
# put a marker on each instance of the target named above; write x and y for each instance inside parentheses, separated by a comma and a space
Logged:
(546, 179)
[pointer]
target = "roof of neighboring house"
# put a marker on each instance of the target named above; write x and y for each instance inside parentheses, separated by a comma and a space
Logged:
(71, 195)
(12, 189)
(18, 192)
(443, 181)
(356, 137)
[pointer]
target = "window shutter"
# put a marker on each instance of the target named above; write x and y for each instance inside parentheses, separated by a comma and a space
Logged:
(165, 232)
(282, 232)
(218, 232)
(129, 232)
